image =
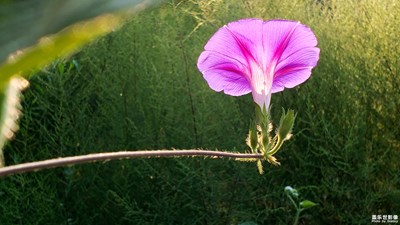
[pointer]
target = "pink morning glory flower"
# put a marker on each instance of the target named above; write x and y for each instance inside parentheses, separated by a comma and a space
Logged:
(261, 57)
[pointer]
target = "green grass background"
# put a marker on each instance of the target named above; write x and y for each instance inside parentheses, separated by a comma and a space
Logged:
(139, 88)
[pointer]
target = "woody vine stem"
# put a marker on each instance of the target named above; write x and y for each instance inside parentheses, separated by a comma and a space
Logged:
(95, 157)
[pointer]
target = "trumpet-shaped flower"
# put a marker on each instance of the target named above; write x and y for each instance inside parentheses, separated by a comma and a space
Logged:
(262, 57)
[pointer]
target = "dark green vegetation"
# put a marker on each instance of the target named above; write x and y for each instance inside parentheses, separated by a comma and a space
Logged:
(139, 88)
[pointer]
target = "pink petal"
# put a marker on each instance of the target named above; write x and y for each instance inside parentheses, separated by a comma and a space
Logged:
(290, 80)
(225, 61)
(223, 73)
(295, 53)
(295, 70)
(240, 40)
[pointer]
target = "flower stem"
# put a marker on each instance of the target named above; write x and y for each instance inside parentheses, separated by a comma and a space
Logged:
(298, 209)
(73, 160)
(296, 220)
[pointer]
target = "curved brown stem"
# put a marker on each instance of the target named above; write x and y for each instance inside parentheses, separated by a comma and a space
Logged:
(73, 160)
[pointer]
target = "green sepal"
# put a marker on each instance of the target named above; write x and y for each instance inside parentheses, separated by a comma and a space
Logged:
(286, 124)
(260, 167)
(262, 119)
(259, 114)
(253, 137)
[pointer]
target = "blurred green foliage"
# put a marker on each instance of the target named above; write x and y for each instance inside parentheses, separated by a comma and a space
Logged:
(139, 88)
(24, 22)
(34, 34)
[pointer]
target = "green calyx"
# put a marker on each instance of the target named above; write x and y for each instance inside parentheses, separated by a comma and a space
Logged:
(259, 138)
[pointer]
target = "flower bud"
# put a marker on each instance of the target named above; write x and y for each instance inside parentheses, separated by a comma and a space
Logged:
(293, 192)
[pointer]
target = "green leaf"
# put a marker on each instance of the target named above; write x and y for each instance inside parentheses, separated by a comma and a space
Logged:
(24, 24)
(307, 204)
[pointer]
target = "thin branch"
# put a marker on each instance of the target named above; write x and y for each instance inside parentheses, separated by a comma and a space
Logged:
(73, 160)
